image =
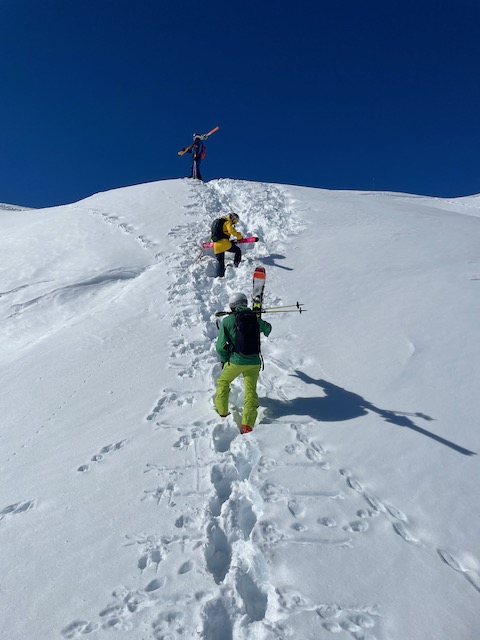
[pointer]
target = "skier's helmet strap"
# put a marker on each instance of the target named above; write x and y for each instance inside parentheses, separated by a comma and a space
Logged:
(237, 300)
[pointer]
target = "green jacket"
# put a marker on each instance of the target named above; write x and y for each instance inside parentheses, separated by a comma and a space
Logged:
(226, 340)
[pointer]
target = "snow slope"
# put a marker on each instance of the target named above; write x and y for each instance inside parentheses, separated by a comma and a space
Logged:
(129, 509)
(13, 207)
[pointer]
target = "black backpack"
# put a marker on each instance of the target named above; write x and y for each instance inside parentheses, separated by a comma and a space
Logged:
(217, 230)
(247, 333)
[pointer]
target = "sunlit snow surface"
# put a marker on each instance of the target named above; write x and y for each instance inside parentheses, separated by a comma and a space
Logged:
(129, 509)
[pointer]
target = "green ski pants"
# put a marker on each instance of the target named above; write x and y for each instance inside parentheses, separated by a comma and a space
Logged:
(250, 374)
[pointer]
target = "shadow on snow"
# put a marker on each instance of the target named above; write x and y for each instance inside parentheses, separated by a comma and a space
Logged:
(270, 261)
(339, 404)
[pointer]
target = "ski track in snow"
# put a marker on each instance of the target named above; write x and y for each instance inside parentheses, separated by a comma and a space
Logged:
(224, 494)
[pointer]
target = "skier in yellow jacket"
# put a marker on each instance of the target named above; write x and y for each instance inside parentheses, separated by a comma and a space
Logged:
(222, 229)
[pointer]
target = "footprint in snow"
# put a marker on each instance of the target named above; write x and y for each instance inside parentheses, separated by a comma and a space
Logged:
(151, 556)
(375, 503)
(296, 507)
(358, 526)
(126, 228)
(146, 243)
(267, 531)
(79, 628)
(169, 397)
(315, 456)
(302, 437)
(402, 531)
(183, 443)
(291, 600)
(186, 567)
(333, 627)
(355, 485)
(169, 625)
(222, 436)
(327, 522)
(352, 482)
(98, 457)
(363, 620)
(396, 513)
(272, 493)
(292, 449)
(328, 611)
(254, 600)
(265, 465)
(18, 507)
(337, 620)
(183, 521)
(154, 585)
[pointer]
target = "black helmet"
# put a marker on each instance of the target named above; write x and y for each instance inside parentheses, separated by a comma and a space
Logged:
(233, 217)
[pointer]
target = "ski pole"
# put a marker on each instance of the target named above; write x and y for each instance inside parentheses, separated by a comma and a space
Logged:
(298, 305)
(285, 306)
(299, 310)
(219, 314)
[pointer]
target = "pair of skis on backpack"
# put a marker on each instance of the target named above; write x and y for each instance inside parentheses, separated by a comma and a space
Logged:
(258, 288)
(209, 244)
(203, 136)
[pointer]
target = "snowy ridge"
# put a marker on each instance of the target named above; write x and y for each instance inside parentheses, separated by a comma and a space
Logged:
(13, 207)
(346, 508)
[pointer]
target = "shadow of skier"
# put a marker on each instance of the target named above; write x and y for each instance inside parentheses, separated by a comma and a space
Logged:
(338, 404)
(270, 261)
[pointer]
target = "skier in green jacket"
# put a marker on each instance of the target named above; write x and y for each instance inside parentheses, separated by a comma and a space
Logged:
(238, 346)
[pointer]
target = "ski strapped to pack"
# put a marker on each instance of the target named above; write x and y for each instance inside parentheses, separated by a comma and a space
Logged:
(202, 137)
(286, 308)
(249, 240)
(258, 288)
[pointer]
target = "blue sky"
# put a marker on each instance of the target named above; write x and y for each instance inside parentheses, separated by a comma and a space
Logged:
(98, 94)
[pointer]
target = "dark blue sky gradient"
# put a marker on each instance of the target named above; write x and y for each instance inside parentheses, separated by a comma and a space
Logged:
(98, 94)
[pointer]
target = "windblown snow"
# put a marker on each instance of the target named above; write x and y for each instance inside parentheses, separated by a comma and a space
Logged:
(129, 509)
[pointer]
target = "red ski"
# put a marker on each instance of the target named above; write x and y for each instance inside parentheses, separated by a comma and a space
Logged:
(259, 276)
(209, 245)
(203, 137)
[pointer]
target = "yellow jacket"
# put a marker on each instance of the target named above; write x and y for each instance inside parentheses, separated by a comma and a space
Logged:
(224, 244)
